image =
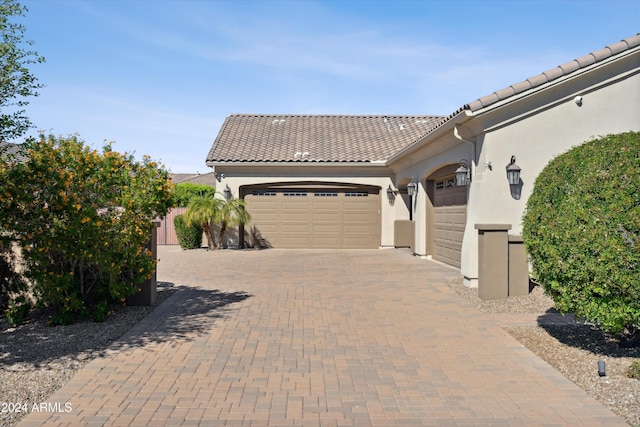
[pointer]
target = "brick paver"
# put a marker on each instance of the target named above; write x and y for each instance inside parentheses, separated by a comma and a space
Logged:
(318, 338)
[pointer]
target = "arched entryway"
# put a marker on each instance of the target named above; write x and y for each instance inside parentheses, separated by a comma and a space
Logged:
(446, 215)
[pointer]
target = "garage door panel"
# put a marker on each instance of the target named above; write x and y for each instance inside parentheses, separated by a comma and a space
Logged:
(325, 228)
(295, 228)
(266, 216)
(325, 242)
(267, 228)
(357, 217)
(357, 229)
(356, 204)
(264, 203)
(319, 220)
(325, 205)
(325, 216)
(350, 242)
(294, 217)
(295, 242)
(295, 203)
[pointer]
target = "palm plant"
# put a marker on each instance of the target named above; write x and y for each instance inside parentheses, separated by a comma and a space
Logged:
(211, 211)
(203, 210)
(230, 213)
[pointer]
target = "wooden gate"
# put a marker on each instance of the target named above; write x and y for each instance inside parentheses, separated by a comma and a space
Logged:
(167, 231)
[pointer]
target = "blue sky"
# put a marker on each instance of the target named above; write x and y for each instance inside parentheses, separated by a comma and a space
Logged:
(159, 77)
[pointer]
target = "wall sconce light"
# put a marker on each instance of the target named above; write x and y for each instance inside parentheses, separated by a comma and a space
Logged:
(513, 172)
(391, 195)
(227, 193)
(463, 173)
(412, 187)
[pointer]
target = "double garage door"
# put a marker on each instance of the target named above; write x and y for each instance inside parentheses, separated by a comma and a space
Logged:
(450, 217)
(316, 218)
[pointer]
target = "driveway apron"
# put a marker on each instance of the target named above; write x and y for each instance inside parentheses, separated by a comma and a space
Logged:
(317, 338)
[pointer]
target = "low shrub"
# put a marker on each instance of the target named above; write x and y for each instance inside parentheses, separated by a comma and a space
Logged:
(189, 236)
(18, 310)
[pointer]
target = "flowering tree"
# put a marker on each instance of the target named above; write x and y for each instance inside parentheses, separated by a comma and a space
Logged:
(83, 219)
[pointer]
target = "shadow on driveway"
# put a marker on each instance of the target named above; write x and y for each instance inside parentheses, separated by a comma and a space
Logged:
(185, 313)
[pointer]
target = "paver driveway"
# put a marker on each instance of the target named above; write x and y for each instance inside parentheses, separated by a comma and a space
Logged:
(318, 338)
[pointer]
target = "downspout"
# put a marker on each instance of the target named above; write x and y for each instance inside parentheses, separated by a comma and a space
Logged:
(468, 281)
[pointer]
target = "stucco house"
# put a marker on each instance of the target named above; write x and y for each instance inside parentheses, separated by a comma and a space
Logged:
(335, 181)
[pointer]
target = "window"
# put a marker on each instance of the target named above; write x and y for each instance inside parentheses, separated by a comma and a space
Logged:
(356, 194)
(445, 183)
(295, 193)
(263, 193)
(326, 194)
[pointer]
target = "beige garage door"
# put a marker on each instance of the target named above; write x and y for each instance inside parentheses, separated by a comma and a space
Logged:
(450, 209)
(316, 218)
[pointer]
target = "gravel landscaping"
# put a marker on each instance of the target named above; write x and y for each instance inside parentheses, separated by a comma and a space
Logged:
(37, 360)
(573, 349)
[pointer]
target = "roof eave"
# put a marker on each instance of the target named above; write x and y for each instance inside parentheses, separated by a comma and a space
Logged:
(555, 76)
(460, 117)
(351, 164)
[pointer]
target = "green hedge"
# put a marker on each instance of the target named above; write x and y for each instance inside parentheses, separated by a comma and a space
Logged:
(189, 236)
(581, 228)
(183, 192)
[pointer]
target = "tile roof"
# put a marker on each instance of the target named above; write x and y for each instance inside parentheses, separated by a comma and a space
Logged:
(315, 138)
(555, 73)
(182, 177)
(194, 178)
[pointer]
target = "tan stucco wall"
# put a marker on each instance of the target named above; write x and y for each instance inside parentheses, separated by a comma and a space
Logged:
(554, 123)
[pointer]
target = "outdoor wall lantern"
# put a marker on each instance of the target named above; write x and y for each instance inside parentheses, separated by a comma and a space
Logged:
(513, 172)
(227, 193)
(391, 195)
(463, 173)
(412, 188)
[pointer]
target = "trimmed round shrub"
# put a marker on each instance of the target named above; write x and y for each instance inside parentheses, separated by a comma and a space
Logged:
(581, 228)
(189, 236)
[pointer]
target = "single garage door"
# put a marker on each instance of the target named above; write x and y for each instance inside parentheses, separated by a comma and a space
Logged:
(450, 210)
(329, 219)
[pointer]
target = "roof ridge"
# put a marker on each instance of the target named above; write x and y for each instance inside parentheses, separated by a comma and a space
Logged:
(336, 115)
(555, 73)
